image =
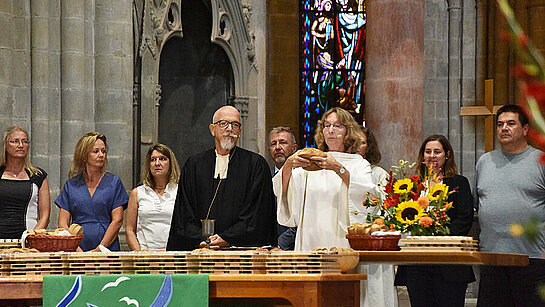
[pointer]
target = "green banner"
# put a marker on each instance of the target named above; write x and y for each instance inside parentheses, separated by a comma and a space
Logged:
(125, 290)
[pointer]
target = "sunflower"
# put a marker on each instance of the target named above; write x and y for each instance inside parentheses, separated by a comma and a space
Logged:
(438, 191)
(409, 212)
(403, 186)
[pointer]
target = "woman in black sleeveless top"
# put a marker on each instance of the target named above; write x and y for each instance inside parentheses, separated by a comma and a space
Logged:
(24, 190)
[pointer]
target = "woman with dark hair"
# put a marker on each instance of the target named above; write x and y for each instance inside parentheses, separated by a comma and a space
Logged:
(324, 202)
(93, 197)
(24, 190)
(442, 285)
(151, 204)
(368, 149)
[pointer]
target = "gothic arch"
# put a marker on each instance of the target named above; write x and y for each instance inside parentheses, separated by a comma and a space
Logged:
(230, 30)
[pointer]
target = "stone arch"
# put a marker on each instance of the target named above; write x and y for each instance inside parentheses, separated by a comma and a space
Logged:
(230, 30)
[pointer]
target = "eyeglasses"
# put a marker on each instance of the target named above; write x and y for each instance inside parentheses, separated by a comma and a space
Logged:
(224, 123)
(334, 126)
(17, 141)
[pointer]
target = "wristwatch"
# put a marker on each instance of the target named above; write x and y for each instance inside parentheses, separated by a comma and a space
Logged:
(342, 170)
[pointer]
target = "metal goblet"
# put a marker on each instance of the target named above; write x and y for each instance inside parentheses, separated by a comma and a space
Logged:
(207, 226)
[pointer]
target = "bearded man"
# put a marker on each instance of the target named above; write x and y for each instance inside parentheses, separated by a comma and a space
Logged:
(228, 184)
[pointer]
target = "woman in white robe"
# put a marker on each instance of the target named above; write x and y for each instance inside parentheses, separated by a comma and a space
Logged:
(378, 288)
(323, 203)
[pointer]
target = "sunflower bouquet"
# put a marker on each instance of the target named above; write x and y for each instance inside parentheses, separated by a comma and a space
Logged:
(408, 205)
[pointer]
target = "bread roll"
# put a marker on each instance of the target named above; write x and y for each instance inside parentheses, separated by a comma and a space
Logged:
(307, 153)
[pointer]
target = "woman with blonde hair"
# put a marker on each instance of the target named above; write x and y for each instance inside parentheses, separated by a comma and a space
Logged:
(93, 197)
(24, 189)
(151, 204)
(325, 202)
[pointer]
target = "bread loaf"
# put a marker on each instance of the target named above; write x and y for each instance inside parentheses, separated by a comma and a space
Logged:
(307, 153)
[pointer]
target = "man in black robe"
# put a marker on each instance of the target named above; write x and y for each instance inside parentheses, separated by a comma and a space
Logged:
(229, 184)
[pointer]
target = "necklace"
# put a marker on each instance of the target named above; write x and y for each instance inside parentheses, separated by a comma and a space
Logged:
(14, 173)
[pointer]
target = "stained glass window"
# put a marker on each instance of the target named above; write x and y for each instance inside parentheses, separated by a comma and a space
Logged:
(332, 52)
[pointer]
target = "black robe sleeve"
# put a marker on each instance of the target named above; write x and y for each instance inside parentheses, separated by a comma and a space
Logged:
(179, 238)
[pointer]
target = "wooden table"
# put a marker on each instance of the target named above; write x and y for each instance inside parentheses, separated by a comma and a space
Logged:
(298, 290)
(443, 257)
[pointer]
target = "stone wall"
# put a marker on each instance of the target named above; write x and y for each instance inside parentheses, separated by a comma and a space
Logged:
(66, 69)
(450, 79)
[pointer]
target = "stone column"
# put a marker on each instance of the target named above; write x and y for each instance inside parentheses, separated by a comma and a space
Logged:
(46, 107)
(241, 103)
(45, 75)
(77, 105)
(20, 68)
(394, 77)
(113, 86)
(6, 50)
(455, 71)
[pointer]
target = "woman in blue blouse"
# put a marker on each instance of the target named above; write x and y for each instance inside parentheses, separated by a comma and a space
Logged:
(92, 197)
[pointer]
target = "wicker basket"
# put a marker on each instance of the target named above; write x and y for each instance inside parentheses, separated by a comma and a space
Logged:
(374, 243)
(49, 243)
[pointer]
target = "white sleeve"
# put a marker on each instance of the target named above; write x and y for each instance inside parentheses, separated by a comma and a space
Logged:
(290, 204)
(361, 183)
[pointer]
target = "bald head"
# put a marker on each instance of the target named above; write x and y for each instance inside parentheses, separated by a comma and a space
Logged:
(225, 128)
(225, 111)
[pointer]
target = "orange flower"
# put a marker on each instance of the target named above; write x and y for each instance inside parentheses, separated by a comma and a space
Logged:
(425, 221)
(379, 221)
(447, 205)
(423, 202)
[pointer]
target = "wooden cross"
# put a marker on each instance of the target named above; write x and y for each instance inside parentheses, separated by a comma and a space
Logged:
(488, 110)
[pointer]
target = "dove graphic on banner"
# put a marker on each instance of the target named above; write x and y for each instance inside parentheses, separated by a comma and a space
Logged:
(114, 283)
(130, 301)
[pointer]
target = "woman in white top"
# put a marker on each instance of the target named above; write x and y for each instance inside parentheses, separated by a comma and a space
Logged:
(379, 287)
(323, 203)
(369, 150)
(151, 204)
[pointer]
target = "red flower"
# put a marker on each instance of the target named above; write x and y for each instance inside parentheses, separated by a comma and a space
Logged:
(390, 202)
(523, 40)
(388, 188)
(414, 179)
(534, 88)
(520, 72)
(542, 159)
(537, 139)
